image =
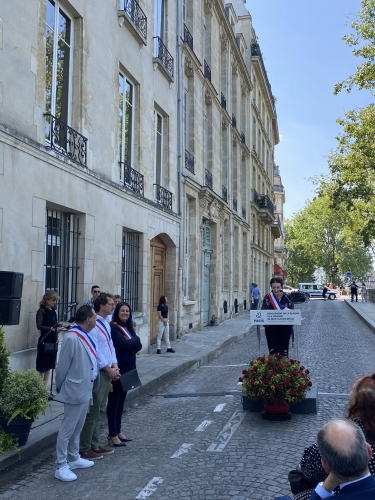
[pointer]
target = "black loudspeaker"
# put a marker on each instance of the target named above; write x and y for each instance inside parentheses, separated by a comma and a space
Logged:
(10, 311)
(11, 284)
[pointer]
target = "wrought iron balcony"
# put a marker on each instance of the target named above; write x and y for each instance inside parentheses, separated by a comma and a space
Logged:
(65, 140)
(255, 51)
(243, 212)
(161, 53)
(280, 250)
(131, 178)
(207, 70)
(189, 161)
(224, 193)
(263, 201)
(208, 178)
(242, 138)
(163, 196)
(188, 37)
(137, 16)
(234, 203)
(234, 121)
(223, 101)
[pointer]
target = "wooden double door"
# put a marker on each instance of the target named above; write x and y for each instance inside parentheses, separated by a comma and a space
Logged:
(158, 259)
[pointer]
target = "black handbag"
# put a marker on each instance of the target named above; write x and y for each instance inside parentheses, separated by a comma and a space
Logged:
(299, 483)
(130, 380)
(50, 347)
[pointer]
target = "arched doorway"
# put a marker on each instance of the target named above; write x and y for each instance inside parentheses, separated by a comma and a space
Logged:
(158, 254)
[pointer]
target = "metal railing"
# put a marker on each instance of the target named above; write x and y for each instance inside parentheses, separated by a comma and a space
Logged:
(131, 178)
(242, 138)
(263, 201)
(234, 121)
(65, 140)
(207, 70)
(161, 52)
(137, 16)
(189, 161)
(163, 196)
(223, 101)
(255, 51)
(243, 212)
(208, 179)
(224, 193)
(188, 37)
(234, 203)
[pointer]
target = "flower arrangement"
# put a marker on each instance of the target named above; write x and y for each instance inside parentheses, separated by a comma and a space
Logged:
(276, 379)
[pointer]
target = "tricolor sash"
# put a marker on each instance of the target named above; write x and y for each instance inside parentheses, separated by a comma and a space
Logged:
(103, 329)
(275, 303)
(124, 331)
(88, 344)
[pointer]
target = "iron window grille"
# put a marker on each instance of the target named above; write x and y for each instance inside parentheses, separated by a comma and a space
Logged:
(188, 37)
(61, 258)
(224, 193)
(189, 161)
(136, 15)
(130, 269)
(163, 196)
(65, 140)
(207, 71)
(234, 121)
(208, 178)
(161, 52)
(131, 178)
(223, 101)
(242, 138)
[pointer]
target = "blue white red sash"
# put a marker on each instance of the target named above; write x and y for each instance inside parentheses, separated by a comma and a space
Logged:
(124, 331)
(275, 303)
(103, 329)
(89, 345)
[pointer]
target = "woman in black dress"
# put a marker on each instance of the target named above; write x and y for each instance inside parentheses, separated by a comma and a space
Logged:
(278, 336)
(46, 323)
(127, 344)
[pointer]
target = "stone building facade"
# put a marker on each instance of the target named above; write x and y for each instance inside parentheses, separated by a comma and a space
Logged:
(133, 162)
(280, 251)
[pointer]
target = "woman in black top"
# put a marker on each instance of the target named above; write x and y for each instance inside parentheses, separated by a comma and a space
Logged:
(126, 344)
(163, 324)
(278, 336)
(46, 323)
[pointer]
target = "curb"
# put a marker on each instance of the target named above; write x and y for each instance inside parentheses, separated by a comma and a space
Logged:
(369, 323)
(23, 454)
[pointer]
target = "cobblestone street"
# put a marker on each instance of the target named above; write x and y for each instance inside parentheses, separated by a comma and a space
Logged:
(169, 458)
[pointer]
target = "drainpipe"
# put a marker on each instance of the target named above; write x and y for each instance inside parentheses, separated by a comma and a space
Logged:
(179, 163)
(230, 190)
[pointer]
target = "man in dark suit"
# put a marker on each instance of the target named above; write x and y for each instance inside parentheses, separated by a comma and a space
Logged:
(345, 455)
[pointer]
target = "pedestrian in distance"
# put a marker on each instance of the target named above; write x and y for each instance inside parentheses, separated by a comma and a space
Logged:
(354, 291)
(255, 293)
(46, 323)
(364, 292)
(76, 379)
(89, 445)
(95, 291)
(325, 290)
(278, 336)
(163, 324)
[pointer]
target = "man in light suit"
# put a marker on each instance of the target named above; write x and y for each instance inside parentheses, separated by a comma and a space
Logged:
(76, 378)
(345, 455)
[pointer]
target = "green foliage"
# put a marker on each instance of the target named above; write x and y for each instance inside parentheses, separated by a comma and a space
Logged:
(23, 395)
(319, 236)
(362, 41)
(275, 379)
(4, 358)
(6, 442)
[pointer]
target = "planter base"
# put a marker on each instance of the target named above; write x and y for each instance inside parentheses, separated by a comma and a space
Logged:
(276, 418)
(19, 428)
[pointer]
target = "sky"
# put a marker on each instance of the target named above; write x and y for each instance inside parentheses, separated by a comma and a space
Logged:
(304, 54)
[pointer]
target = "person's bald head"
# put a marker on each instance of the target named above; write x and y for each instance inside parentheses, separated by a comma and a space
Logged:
(343, 447)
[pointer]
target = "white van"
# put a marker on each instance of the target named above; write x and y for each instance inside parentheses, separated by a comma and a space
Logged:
(316, 290)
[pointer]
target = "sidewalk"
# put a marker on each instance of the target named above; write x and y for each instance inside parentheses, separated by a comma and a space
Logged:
(155, 371)
(365, 310)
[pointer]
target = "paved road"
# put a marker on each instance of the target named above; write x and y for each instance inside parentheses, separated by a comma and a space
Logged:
(179, 447)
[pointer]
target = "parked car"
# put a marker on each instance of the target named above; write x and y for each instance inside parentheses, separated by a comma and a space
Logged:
(316, 290)
(288, 289)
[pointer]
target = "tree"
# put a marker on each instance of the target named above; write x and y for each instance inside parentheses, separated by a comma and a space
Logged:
(319, 237)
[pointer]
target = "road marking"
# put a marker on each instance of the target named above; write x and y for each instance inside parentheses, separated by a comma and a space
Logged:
(228, 431)
(150, 488)
(203, 425)
(183, 449)
(220, 407)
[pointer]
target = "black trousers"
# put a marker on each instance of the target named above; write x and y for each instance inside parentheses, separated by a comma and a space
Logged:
(278, 338)
(115, 407)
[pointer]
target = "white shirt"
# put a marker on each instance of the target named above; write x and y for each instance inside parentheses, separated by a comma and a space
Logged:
(325, 494)
(104, 345)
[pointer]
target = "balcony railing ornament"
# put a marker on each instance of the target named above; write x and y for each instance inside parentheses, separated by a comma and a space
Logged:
(65, 140)
(136, 14)
(132, 179)
(188, 37)
(224, 193)
(223, 101)
(208, 178)
(234, 121)
(207, 71)
(189, 161)
(163, 196)
(161, 52)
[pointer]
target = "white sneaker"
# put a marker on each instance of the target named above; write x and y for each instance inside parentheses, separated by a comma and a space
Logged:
(81, 463)
(65, 474)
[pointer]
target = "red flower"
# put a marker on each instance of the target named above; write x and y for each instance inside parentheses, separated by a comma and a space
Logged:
(309, 383)
(278, 356)
(261, 358)
(292, 361)
(295, 373)
(252, 383)
(292, 392)
(307, 372)
(244, 371)
(277, 386)
(255, 368)
(265, 381)
(281, 366)
(286, 381)
(300, 388)
(302, 368)
(274, 373)
(246, 375)
(269, 362)
(240, 379)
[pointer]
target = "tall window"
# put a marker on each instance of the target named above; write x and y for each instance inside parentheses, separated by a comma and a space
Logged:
(59, 42)
(130, 269)
(158, 153)
(61, 257)
(126, 123)
(187, 250)
(159, 18)
(186, 119)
